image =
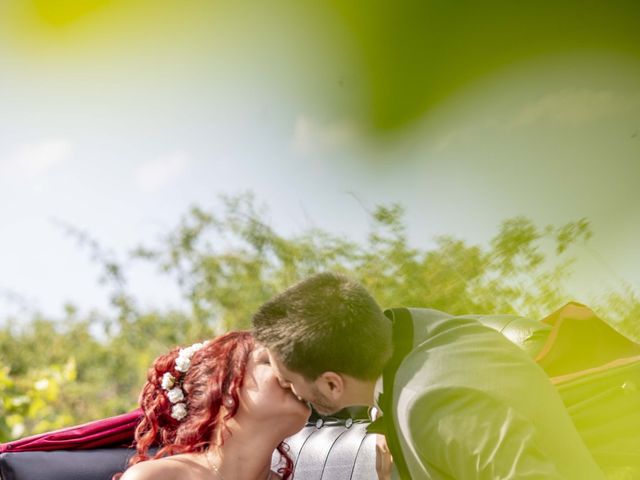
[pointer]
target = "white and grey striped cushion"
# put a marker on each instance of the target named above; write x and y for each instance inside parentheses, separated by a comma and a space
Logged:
(334, 452)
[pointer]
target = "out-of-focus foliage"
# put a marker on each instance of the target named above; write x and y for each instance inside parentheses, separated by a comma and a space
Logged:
(406, 46)
(623, 309)
(405, 57)
(225, 263)
(40, 400)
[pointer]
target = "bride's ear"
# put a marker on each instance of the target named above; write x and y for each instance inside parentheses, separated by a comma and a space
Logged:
(331, 384)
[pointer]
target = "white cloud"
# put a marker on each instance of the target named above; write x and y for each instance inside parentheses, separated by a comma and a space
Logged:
(310, 136)
(159, 173)
(575, 106)
(36, 160)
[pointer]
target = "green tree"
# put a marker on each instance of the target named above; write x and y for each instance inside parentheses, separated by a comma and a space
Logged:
(227, 262)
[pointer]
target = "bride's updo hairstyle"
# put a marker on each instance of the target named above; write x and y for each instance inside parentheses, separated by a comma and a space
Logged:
(214, 374)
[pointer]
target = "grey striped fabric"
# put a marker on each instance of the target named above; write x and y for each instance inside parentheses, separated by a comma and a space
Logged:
(334, 452)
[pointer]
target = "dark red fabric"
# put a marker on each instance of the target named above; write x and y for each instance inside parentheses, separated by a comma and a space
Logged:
(108, 432)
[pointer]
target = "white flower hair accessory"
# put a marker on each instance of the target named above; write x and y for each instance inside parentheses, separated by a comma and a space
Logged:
(179, 411)
(168, 381)
(173, 385)
(175, 395)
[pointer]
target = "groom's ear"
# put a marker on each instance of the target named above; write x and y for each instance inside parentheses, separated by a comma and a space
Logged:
(331, 384)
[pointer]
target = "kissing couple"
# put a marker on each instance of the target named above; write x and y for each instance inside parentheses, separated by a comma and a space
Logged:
(458, 400)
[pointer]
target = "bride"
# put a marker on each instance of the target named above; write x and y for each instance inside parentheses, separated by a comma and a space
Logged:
(216, 411)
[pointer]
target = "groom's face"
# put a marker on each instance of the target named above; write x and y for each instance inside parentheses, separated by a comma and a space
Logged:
(306, 390)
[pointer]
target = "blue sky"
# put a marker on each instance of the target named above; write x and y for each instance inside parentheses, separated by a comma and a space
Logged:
(121, 144)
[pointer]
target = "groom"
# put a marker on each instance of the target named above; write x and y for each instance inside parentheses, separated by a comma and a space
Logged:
(459, 400)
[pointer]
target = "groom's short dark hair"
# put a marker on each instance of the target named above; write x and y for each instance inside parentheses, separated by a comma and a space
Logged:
(326, 322)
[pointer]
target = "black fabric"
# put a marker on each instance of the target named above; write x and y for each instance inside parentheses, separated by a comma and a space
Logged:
(99, 464)
(402, 336)
(331, 452)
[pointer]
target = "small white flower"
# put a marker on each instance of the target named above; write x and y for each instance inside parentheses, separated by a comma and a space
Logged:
(188, 352)
(168, 381)
(175, 395)
(182, 363)
(179, 411)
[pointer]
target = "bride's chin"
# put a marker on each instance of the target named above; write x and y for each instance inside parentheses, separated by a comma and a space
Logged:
(296, 426)
(304, 408)
(301, 409)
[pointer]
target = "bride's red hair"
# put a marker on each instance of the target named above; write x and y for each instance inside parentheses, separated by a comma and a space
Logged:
(216, 370)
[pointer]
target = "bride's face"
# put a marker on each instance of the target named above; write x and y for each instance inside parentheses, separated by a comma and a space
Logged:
(263, 398)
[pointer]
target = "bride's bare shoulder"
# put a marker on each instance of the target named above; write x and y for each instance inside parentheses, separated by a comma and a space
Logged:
(178, 467)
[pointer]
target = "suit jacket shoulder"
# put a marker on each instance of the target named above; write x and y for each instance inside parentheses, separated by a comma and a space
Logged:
(469, 403)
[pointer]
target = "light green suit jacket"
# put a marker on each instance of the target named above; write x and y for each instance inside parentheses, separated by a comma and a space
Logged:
(467, 403)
